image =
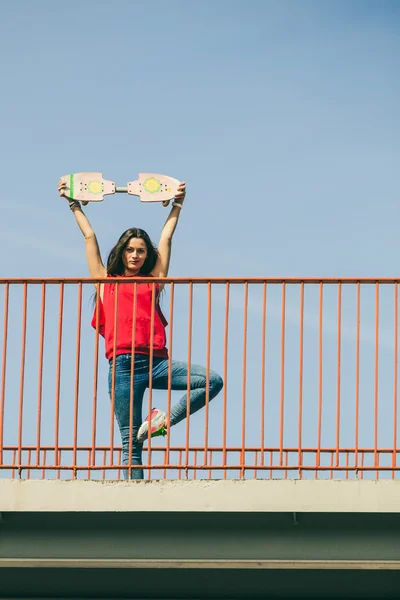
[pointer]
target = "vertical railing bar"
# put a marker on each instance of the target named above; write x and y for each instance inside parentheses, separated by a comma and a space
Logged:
(395, 367)
(320, 336)
(171, 323)
(225, 409)
(28, 471)
(58, 375)
(14, 458)
(113, 369)
(357, 372)
(338, 391)
(103, 473)
(244, 373)
(285, 474)
(255, 472)
(164, 452)
(44, 464)
(22, 375)
(77, 365)
(376, 461)
(263, 354)
(119, 466)
(189, 360)
(90, 462)
(95, 376)
(179, 464)
(300, 408)
(151, 361)
(208, 358)
(59, 463)
(40, 373)
(3, 369)
(270, 463)
(195, 464)
(282, 385)
(132, 380)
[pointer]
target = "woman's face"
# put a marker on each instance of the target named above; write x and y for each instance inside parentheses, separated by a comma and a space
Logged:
(134, 255)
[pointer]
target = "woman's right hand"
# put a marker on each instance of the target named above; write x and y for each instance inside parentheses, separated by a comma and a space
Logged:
(61, 187)
(61, 190)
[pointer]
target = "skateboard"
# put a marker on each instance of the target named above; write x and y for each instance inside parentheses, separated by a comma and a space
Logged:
(91, 187)
(152, 187)
(87, 187)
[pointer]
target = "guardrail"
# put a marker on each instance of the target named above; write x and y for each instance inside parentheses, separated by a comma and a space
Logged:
(310, 370)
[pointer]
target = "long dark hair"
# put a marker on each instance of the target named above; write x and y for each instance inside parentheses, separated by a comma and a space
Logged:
(115, 265)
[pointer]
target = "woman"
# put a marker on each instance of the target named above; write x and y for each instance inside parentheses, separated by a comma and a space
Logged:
(133, 256)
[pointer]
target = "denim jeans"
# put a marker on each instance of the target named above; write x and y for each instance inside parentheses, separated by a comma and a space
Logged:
(179, 381)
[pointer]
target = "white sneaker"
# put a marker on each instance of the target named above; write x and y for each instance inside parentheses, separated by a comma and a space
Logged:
(157, 425)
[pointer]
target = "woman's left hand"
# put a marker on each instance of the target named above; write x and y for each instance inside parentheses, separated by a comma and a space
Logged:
(181, 193)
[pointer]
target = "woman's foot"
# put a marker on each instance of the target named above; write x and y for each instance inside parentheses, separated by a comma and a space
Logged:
(158, 425)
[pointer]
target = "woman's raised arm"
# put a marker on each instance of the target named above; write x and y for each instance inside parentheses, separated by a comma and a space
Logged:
(164, 247)
(95, 264)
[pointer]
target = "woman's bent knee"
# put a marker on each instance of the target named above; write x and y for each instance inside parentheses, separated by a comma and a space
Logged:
(216, 382)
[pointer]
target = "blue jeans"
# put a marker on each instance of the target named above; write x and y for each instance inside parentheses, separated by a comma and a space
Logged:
(179, 381)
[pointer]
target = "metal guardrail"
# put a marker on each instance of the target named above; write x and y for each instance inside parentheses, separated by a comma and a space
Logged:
(310, 370)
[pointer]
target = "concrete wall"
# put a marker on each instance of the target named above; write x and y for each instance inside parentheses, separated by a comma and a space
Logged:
(200, 539)
(187, 496)
(199, 555)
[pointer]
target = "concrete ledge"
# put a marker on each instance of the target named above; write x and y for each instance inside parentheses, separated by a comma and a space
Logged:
(200, 496)
(375, 565)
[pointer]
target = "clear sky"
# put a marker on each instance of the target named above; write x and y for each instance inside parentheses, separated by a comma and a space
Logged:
(282, 116)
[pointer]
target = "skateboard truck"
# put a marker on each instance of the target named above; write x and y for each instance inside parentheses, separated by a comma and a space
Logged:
(91, 187)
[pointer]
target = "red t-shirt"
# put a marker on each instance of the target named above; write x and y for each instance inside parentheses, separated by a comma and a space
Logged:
(125, 316)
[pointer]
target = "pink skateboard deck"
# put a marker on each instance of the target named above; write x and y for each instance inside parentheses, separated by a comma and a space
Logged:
(87, 187)
(152, 187)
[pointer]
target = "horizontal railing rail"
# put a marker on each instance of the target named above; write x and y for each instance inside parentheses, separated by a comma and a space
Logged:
(309, 365)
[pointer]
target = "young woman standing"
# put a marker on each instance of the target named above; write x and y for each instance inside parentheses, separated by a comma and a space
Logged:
(134, 255)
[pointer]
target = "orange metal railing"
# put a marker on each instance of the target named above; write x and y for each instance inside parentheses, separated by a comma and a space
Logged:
(310, 369)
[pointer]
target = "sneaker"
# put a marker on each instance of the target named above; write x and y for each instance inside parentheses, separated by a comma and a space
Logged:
(157, 425)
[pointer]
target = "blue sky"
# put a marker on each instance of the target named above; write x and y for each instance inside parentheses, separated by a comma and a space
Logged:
(283, 118)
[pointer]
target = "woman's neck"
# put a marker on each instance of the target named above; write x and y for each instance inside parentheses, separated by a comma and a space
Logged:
(131, 272)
